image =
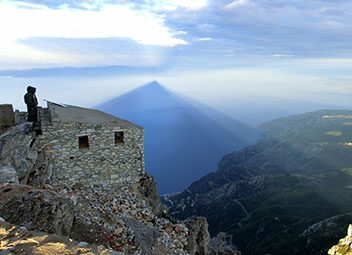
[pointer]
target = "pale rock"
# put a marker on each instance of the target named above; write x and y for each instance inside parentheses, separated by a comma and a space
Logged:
(8, 174)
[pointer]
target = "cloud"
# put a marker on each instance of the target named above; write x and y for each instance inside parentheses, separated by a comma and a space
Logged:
(173, 5)
(28, 20)
(236, 4)
(205, 39)
(282, 55)
(94, 32)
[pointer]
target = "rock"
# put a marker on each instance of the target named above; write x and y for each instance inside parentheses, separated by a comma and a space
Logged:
(15, 241)
(344, 247)
(146, 236)
(147, 187)
(8, 175)
(83, 244)
(349, 231)
(199, 237)
(7, 116)
(6, 252)
(40, 210)
(222, 245)
(20, 150)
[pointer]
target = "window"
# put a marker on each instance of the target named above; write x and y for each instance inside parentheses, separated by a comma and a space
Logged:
(119, 137)
(83, 142)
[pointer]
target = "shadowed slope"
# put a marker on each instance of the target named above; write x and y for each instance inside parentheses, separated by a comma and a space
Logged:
(182, 142)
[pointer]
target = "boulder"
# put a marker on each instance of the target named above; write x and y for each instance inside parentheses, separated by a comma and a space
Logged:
(222, 244)
(7, 116)
(198, 236)
(20, 150)
(344, 246)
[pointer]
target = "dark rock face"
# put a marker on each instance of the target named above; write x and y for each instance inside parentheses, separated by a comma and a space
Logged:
(40, 210)
(290, 191)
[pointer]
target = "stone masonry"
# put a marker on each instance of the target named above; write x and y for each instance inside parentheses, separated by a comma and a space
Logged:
(103, 160)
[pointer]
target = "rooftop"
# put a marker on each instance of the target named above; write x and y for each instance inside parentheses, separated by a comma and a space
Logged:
(70, 113)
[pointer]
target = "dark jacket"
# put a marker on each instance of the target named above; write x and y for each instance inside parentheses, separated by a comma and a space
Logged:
(30, 99)
(32, 103)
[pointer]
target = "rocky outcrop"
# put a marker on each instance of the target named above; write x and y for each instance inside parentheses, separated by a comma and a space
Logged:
(148, 189)
(19, 240)
(199, 237)
(222, 244)
(36, 209)
(20, 151)
(116, 218)
(344, 247)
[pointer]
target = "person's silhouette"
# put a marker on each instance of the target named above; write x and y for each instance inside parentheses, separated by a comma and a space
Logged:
(32, 104)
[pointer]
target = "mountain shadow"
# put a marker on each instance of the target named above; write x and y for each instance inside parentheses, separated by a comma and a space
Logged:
(183, 140)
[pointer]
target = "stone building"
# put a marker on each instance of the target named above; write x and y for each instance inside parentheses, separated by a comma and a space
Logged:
(91, 147)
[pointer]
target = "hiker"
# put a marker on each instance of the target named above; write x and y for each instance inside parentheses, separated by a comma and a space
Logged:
(32, 104)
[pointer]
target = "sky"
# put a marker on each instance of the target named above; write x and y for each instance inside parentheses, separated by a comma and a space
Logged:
(232, 54)
(49, 33)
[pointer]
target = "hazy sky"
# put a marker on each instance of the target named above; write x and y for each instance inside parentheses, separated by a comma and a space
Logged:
(227, 53)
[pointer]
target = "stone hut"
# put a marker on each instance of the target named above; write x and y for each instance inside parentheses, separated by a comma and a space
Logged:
(91, 147)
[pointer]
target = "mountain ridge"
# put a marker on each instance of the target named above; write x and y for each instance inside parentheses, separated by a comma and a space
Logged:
(276, 189)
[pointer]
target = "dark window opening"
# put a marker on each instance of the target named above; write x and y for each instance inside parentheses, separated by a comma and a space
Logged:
(119, 137)
(83, 142)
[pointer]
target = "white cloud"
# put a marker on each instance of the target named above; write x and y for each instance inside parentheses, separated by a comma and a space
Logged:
(205, 39)
(282, 55)
(236, 4)
(172, 5)
(21, 21)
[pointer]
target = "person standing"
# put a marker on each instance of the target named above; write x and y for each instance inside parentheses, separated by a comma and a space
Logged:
(32, 104)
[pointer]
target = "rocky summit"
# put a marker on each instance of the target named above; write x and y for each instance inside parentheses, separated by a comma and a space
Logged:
(41, 216)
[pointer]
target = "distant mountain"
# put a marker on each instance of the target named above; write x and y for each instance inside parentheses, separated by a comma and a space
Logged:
(77, 71)
(183, 140)
(289, 193)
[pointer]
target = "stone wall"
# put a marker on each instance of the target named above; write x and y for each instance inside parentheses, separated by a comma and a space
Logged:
(104, 162)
